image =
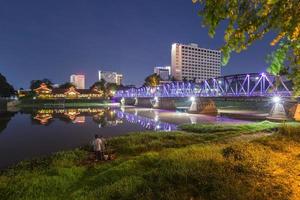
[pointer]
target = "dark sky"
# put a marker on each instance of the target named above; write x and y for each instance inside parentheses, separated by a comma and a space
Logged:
(53, 39)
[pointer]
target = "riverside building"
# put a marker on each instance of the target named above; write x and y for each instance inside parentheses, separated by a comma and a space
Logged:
(190, 62)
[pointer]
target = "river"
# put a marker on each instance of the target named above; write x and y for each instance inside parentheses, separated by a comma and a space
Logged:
(37, 132)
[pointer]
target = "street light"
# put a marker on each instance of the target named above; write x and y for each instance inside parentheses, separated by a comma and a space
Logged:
(276, 99)
(192, 99)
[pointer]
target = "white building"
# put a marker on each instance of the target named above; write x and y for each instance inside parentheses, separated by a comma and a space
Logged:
(110, 77)
(78, 80)
(191, 62)
(163, 72)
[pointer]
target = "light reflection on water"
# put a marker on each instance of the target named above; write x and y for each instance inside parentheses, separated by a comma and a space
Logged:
(32, 133)
(103, 117)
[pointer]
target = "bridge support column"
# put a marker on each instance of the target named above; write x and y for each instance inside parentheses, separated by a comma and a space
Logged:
(278, 112)
(166, 103)
(127, 101)
(202, 106)
(297, 113)
(144, 102)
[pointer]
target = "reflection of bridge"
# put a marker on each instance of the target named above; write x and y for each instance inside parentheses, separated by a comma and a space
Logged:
(148, 123)
(247, 85)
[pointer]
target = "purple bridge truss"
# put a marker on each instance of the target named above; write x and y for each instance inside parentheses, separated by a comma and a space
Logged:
(239, 85)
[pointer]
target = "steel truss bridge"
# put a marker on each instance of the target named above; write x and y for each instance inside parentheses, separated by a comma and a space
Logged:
(239, 85)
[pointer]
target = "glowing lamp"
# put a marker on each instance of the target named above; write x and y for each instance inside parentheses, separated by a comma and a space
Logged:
(192, 98)
(276, 99)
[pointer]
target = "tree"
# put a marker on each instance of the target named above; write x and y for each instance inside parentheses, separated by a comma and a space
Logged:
(36, 83)
(100, 85)
(66, 85)
(250, 20)
(152, 80)
(6, 89)
(111, 88)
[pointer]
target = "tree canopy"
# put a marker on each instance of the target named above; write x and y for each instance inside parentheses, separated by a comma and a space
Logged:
(6, 89)
(250, 20)
(66, 85)
(152, 80)
(36, 83)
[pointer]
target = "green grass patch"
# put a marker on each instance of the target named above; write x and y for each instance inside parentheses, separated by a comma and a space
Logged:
(231, 128)
(173, 165)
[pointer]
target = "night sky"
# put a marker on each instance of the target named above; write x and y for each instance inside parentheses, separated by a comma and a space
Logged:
(53, 39)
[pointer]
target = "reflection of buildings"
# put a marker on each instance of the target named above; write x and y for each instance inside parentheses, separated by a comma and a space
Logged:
(102, 117)
(43, 118)
(5, 117)
(44, 92)
(78, 81)
(79, 120)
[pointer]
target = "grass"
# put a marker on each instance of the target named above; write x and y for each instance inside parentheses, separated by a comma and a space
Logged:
(173, 165)
(234, 128)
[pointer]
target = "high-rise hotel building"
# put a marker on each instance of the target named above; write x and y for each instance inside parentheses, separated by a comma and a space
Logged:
(110, 77)
(78, 80)
(191, 62)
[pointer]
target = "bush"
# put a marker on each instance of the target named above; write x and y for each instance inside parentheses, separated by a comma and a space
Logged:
(291, 130)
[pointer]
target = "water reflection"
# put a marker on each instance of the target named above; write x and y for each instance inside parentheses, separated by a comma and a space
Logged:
(5, 119)
(44, 131)
(104, 117)
(147, 123)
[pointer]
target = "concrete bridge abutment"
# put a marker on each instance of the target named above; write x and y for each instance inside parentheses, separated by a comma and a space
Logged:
(203, 106)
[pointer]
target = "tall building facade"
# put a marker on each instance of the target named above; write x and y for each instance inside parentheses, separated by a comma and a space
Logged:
(191, 62)
(78, 80)
(163, 72)
(110, 77)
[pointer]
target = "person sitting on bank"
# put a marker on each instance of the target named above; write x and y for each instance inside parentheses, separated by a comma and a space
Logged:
(97, 143)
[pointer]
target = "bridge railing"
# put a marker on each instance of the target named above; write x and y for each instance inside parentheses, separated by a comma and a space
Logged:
(253, 84)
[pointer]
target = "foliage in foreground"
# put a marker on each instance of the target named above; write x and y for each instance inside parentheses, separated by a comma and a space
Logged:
(247, 21)
(166, 166)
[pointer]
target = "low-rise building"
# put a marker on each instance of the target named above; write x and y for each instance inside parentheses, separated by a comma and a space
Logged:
(45, 92)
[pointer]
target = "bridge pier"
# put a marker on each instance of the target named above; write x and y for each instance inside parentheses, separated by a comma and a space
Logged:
(168, 103)
(202, 106)
(144, 102)
(278, 112)
(127, 101)
(297, 112)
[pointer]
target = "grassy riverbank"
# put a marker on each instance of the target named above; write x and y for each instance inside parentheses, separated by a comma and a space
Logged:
(206, 164)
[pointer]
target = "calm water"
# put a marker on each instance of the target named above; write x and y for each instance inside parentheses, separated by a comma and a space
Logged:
(32, 133)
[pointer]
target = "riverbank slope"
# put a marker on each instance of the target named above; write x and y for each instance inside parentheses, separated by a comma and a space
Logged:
(206, 164)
